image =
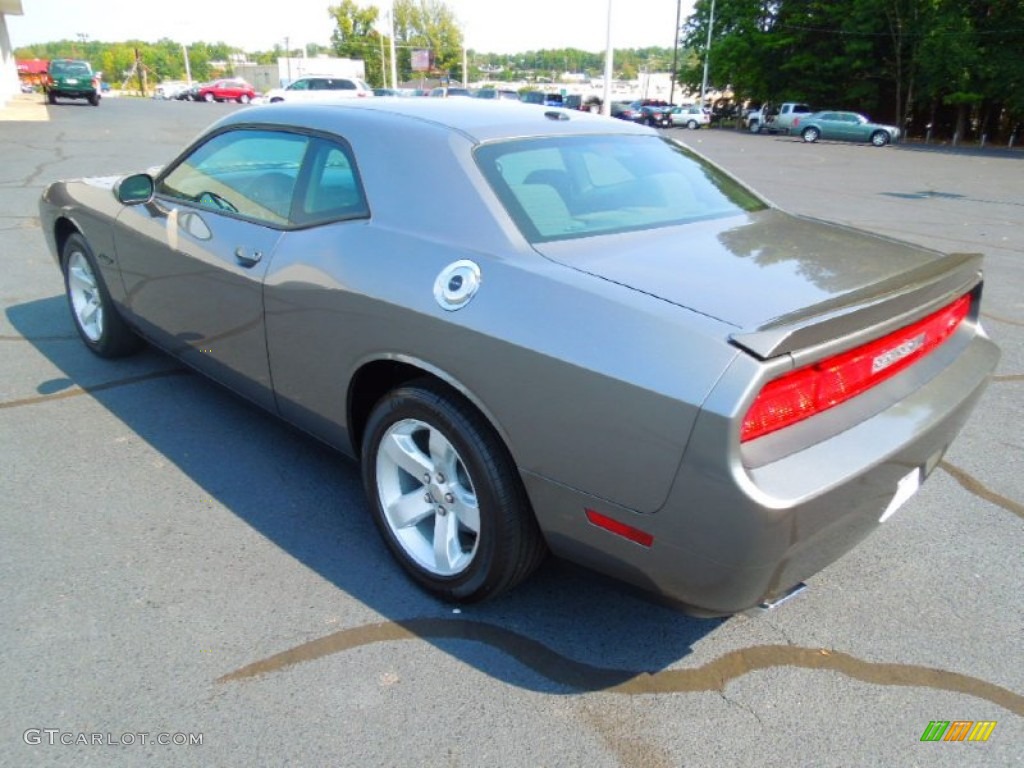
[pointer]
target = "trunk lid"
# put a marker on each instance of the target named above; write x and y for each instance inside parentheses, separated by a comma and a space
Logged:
(782, 281)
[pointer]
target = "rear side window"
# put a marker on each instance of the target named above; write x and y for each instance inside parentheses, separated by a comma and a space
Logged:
(579, 186)
(334, 191)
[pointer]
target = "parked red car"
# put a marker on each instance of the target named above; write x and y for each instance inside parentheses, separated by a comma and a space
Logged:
(228, 89)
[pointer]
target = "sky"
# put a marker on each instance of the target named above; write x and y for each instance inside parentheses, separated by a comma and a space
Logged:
(489, 26)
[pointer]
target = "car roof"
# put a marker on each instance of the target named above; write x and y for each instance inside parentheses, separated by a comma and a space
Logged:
(479, 120)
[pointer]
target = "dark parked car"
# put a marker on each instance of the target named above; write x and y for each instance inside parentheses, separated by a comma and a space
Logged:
(844, 126)
(623, 110)
(498, 94)
(615, 351)
(189, 94)
(72, 79)
(652, 113)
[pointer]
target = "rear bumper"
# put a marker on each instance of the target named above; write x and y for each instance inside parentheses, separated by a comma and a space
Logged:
(72, 93)
(731, 536)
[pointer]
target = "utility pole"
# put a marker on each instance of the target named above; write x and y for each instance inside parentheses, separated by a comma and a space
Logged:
(675, 54)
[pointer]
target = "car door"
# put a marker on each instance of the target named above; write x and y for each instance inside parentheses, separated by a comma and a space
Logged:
(311, 302)
(829, 125)
(194, 259)
(849, 127)
(860, 129)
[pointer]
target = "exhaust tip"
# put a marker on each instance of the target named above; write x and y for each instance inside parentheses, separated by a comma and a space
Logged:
(770, 605)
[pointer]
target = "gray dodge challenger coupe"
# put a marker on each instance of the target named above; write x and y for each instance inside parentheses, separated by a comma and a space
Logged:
(541, 330)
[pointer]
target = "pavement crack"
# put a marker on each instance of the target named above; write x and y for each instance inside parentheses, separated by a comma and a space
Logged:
(979, 489)
(741, 705)
(999, 319)
(714, 675)
(78, 391)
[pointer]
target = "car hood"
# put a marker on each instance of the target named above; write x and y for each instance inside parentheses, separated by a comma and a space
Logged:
(759, 270)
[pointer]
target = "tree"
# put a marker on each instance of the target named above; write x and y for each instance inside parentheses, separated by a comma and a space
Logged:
(356, 37)
(431, 25)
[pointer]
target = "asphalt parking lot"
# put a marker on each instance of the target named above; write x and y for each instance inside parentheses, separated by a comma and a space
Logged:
(178, 563)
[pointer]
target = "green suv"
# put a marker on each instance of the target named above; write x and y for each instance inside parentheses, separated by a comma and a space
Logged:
(72, 79)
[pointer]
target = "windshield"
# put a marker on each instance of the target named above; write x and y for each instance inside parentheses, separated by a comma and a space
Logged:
(578, 186)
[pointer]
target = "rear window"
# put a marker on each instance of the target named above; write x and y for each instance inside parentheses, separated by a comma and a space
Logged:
(70, 68)
(570, 187)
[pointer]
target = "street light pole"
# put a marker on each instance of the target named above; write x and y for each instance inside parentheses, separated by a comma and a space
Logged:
(606, 104)
(394, 61)
(188, 68)
(707, 55)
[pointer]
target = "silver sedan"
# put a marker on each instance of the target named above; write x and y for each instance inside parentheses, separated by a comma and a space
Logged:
(541, 330)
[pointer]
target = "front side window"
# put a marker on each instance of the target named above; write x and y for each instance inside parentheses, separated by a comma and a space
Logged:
(299, 85)
(252, 173)
(571, 187)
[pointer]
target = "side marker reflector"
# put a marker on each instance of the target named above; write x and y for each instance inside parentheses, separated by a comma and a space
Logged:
(635, 535)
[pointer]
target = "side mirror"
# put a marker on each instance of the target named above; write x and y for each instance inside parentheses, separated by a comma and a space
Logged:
(135, 190)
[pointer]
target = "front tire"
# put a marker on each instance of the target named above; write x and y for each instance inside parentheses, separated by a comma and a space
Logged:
(96, 318)
(209, 97)
(446, 496)
(879, 138)
(243, 99)
(811, 135)
(51, 97)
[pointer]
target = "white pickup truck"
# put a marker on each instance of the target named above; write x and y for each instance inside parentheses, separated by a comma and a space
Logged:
(776, 118)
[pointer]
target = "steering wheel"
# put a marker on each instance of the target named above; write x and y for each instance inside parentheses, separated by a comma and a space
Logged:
(213, 199)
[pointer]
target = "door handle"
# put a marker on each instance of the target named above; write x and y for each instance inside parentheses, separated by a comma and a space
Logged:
(247, 259)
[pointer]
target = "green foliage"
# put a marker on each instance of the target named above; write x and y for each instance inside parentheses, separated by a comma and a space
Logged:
(922, 61)
(431, 25)
(355, 37)
(163, 60)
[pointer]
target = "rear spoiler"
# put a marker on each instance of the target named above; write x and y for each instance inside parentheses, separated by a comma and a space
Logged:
(884, 306)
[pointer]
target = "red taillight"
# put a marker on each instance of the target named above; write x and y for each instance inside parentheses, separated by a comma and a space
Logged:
(816, 388)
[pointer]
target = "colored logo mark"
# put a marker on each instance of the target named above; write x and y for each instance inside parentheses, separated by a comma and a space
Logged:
(958, 730)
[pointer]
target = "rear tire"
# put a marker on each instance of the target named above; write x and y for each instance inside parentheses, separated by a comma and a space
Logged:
(810, 135)
(446, 496)
(96, 318)
(95, 99)
(693, 125)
